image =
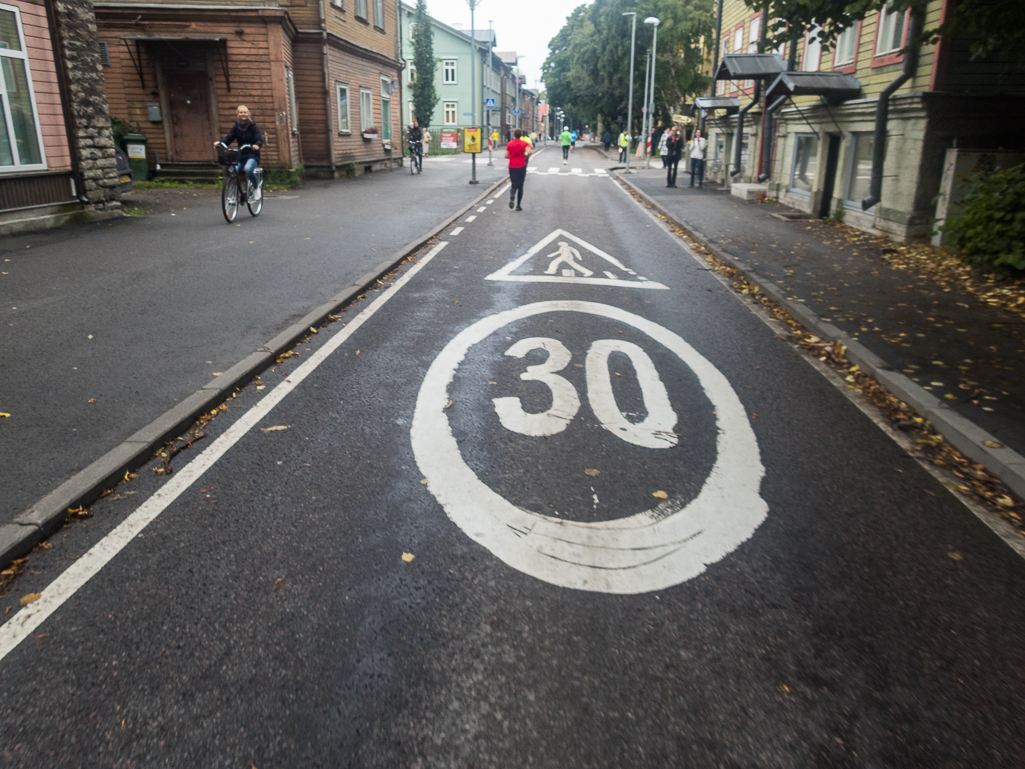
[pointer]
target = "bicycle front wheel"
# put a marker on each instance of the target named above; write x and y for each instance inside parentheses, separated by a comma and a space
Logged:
(229, 198)
(255, 206)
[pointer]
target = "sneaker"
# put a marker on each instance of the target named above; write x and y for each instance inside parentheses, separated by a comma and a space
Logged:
(258, 193)
(564, 162)
(518, 208)
(511, 203)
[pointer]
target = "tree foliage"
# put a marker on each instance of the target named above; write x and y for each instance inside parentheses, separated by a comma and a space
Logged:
(991, 230)
(587, 71)
(425, 94)
(993, 27)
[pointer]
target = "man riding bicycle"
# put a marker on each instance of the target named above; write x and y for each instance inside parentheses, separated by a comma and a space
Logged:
(245, 131)
(416, 147)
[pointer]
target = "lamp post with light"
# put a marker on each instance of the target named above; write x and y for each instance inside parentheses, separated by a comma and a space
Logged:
(630, 98)
(651, 105)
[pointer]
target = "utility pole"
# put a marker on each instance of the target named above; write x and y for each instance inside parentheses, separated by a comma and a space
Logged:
(473, 89)
(490, 89)
(630, 98)
(651, 107)
(644, 103)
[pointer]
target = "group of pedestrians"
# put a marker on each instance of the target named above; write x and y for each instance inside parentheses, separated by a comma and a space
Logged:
(672, 148)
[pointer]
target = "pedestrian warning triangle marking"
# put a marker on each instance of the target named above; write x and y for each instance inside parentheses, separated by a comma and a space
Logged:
(565, 258)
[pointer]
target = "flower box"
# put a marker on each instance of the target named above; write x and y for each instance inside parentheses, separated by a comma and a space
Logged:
(369, 133)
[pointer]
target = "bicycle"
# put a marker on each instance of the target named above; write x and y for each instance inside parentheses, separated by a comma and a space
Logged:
(233, 192)
(416, 158)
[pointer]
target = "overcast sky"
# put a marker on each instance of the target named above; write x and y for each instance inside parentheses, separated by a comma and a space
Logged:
(524, 26)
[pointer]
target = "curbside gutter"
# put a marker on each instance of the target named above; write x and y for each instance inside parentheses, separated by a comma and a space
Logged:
(963, 434)
(49, 514)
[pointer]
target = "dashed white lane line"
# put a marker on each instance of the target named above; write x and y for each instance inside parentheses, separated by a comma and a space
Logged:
(470, 218)
(21, 625)
(489, 202)
(456, 231)
(482, 209)
(576, 170)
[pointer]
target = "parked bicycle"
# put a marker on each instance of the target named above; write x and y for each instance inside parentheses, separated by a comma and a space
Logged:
(416, 156)
(235, 190)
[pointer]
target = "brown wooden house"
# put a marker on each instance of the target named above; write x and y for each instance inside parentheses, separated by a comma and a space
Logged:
(317, 77)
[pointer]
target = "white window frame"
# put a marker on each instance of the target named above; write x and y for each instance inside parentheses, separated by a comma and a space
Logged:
(454, 107)
(446, 69)
(5, 113)
(412, 114)
(293, 109)
(852, 160)
(366, 108)
(344, 127)
(738, 40)
(361, 10)
(793, 164)
(752, 34)
(887, 25)
(411, 73)
(379, 14)
(846, 47)
(386, 116)
(812, 50)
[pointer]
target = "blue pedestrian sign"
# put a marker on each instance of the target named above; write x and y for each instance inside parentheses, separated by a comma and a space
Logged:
(489, 103)
(516, 112)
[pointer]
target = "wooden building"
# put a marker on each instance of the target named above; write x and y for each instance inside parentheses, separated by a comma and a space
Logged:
(318, 78)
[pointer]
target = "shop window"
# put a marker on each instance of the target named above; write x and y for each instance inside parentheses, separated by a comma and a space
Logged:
(806, 164)
(21, 144)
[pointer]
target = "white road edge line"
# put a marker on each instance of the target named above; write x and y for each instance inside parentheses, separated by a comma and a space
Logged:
(997, 525)
(456, 231)
(21, 625)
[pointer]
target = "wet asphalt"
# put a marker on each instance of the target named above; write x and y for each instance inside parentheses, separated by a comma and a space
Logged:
(821, 601)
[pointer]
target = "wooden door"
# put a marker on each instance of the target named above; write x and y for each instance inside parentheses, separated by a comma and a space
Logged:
(188, 99)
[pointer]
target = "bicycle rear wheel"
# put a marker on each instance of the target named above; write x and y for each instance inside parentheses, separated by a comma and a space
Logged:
(229, 197)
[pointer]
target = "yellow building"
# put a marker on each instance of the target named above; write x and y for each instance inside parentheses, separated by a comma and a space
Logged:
(811, 120)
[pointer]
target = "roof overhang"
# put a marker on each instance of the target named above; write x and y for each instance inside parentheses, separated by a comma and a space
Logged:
(834, 87)
(750, 66)
(711, 103)
(168, 39)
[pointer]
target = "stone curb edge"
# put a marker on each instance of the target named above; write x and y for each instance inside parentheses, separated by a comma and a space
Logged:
(48, 514)
(963, 434)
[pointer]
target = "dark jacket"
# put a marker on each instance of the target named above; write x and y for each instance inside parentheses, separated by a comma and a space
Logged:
(249, 134)
(416, 134)
(606, 138)
(674, 147)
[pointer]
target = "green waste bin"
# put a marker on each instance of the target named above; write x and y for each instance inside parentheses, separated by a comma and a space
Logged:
(135, 148)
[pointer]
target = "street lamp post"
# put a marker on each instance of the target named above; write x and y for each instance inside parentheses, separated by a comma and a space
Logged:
(630, 98)
(473, 88)
(490, 89)
(644, 108)
(651, 107)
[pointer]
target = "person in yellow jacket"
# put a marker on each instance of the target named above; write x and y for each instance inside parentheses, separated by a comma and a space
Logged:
(624, 146)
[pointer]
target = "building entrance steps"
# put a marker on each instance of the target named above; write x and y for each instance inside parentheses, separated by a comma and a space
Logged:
(748, 191)
(959, 359)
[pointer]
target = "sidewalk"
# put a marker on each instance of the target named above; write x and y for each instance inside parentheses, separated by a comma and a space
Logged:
(108, 326)
(954, 346)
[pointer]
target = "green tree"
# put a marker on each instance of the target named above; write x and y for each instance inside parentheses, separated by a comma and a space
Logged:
(588, 68)
(425, 95)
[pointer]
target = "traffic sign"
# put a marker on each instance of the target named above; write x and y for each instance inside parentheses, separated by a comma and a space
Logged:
(489, 103)
(516, 111)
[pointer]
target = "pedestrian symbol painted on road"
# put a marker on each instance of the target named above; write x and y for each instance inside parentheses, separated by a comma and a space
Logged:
(650, 550)
(569, 263)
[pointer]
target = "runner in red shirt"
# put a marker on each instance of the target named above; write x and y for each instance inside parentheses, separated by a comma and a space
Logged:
(517, 151)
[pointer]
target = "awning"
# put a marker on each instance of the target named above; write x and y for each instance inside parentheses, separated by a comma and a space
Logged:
(711, 103)
(750, 66)
(170, 40)
(834, 87)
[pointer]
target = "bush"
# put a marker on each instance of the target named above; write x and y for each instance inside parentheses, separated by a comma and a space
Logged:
(992, 228)
(281, 178)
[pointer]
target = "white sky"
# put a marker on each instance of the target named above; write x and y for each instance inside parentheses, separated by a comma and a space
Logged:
(524, 26)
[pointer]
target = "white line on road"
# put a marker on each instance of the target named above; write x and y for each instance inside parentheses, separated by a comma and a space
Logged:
(456, 231)
(489, 202)
(21, 625)
(470, 218)
(482, 209)
(553, 170)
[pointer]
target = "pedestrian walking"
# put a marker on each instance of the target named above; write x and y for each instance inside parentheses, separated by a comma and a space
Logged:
(662, 145)
(674, 149)
(427, 142)
(517, 151)
(697, 158)
(606, 139)
(624, 146)
(565, 137)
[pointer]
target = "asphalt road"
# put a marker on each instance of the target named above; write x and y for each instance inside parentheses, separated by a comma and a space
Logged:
(556, 497)
(107, 326)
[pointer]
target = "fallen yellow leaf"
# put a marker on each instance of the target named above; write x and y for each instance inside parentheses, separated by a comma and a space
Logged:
(592, 472)
(424, 481)
(407, 557)
(660, 494)
(30, 598)
(4, 415)
(274, 429)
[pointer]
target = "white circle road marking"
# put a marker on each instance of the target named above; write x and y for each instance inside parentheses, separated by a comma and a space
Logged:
(647, 551)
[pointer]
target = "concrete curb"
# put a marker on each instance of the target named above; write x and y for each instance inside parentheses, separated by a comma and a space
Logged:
(49, 514)
(963, 434)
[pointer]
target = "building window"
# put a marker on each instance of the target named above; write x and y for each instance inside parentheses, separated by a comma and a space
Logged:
(338, 4)
(806, 164)
(813, 50)
(449, 110)
(859, 169)
(293, 113)
(379, 14)
(449, 72)
(361, 9)
(344, 126)
(104, 53)
(21, 144)
(412, 114)
(890, 36)
(752, 35)
(846, 46)
(386, 109)
(366, 108)
(738, 40)
(412, 74)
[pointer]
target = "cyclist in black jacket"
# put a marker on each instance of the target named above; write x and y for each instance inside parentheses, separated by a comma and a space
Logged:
(245, 131)
(416, 145)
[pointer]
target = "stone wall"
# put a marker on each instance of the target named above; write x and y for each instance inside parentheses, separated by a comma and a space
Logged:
(87, 93)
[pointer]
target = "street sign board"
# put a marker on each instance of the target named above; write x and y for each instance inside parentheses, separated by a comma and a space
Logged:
(516, 111)
(471, 140)
(489, 103)
(449, 140)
